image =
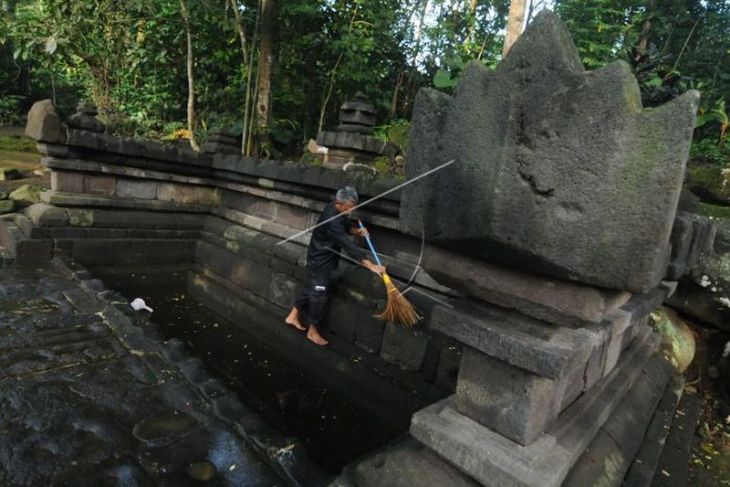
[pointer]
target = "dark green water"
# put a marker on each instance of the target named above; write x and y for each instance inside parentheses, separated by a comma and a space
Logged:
(334, 429)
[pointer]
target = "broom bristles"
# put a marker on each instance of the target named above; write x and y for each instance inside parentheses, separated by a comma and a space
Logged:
(398, 308)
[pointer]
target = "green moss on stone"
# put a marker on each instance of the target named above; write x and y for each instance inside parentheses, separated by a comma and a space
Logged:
(705, 175)
(711, 181)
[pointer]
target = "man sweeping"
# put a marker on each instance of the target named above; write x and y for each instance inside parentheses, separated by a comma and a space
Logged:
(322, 261)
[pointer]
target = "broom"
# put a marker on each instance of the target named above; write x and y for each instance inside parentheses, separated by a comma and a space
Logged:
(398, 307)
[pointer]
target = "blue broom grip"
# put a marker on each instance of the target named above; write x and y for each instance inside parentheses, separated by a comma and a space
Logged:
(370, 244)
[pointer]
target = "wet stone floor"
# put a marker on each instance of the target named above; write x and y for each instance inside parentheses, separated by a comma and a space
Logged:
(83, 404)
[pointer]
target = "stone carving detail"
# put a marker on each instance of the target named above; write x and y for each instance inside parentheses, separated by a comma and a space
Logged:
(558, 170)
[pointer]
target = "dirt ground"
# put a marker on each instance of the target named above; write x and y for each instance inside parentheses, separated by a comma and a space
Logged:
(19, 152)
(709, 378)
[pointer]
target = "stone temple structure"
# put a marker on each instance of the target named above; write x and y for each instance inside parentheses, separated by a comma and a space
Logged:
(545, 246)
(352, 141)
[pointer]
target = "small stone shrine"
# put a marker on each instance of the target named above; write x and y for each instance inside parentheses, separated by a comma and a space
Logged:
(222, 141)
(353, 140)
(85, 118)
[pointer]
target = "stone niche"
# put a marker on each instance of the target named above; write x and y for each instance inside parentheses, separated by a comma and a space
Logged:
(558, 170)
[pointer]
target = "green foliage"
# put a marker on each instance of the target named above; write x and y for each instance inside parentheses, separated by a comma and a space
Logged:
(129, 57)
(382, 165)
(443, 79)
(311, 159)
(10, 110)
(707, 150)
(395, 132)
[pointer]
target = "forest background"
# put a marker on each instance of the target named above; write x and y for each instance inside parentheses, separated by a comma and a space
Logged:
(278, 70)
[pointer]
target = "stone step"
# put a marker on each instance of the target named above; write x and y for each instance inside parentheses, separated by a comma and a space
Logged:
(644, 466)
(673, 466)
(633, 427)
(493, 459)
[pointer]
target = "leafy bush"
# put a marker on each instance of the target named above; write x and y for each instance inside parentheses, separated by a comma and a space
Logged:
(708, 150)
(10, 110)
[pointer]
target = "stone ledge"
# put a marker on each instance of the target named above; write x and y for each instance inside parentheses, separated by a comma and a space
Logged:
(560, 302)
(495, 460)
(543, 349)
(303, 174)
(239, 235)
(71, 199)
(405, 463)
(66, 168)
(132, 147)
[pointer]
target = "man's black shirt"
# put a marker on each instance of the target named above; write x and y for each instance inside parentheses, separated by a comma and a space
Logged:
(328, 239)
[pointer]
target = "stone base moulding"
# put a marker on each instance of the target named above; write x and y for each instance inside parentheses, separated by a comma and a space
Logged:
(495, 460)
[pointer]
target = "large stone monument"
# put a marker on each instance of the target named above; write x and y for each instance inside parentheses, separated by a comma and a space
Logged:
(555, 222)
(558, 170)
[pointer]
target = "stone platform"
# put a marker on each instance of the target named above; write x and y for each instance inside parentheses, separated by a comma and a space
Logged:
(88, 398)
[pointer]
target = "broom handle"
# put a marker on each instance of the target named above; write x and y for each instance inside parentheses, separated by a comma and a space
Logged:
(370, 243)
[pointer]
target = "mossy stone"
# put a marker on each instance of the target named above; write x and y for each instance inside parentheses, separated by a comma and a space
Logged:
(27, 195)
(710, 182)
(678, 340)
(6, 206)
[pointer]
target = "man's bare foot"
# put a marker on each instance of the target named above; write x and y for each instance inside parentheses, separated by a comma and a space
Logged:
(315, 337)
(293, 320)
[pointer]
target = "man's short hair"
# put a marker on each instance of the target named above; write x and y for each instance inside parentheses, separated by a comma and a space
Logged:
(347, 193)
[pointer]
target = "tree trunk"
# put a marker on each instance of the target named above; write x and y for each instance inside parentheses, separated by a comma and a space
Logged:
(191, 83)
(419, 30)
(333, 75)
(246, 142)
(263, 84)
(515, 22)
(644, 35)
(240, 29)
(394, 100)
(471, 21)
(244, 53)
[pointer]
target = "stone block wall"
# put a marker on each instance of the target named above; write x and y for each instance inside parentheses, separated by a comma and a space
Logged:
(119, 203)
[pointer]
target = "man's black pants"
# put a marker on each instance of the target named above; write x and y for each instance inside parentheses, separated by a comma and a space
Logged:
(312, 300)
